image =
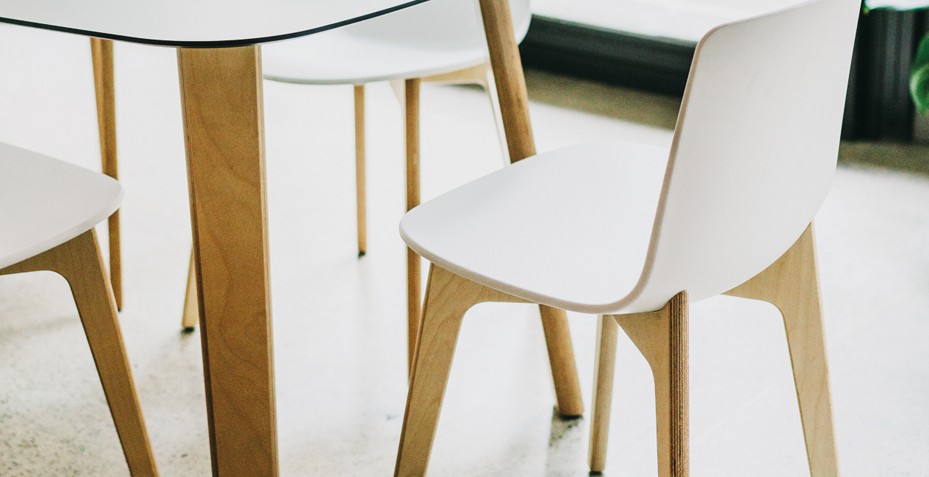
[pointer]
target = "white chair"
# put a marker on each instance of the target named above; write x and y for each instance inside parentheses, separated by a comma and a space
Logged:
(440, 41)
(48, 209)
(633, 232)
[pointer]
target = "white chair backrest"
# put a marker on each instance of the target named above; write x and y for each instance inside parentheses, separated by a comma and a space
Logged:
(754, 151)
(439, 23)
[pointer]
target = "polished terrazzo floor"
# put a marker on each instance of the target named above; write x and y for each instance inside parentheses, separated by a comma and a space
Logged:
(339, 321)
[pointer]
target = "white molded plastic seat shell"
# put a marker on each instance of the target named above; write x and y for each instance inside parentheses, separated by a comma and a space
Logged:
(45, 202)
(432, 38)
(538, 229)
(752, 159)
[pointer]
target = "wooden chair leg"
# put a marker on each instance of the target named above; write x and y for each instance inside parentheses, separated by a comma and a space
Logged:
(360, 200)
(448, 297)
(413, 283)
(80, 263)
(792, 285)
(662, 338)
(191, 301)
(514, 109)
(603, 392)
(102, 53)
(561, 357)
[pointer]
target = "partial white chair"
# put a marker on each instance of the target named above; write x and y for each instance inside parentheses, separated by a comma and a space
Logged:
(440, 41)
(633, 232)
(48, 209)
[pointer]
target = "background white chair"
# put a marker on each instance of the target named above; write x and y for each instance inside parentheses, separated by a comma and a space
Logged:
(48, 209)
(440, 41)
(636, 232)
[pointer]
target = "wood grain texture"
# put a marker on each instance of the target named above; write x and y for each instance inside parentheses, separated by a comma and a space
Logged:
(568, 396)
(471, 75)
(792, 285)
(448, 298)
(223, 121)
(604, 365)
(508, 72)
(413, 283)
(514, 107)
(662, 338)
(80, 263)
(105, 92)
(191, 314)
(360, 188)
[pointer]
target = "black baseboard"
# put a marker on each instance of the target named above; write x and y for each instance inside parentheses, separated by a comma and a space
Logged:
(878, 105)
(654, 64)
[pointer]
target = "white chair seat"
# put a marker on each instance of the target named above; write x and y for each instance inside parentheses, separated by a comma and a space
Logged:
(568, 228)
(340, 57)
(58, 201)
(436, 37)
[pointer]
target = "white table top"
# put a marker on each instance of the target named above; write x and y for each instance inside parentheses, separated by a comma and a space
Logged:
(194, 23)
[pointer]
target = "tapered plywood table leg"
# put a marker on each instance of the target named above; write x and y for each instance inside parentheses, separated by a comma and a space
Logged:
(102, 53)
(223, 119)
(514, 107)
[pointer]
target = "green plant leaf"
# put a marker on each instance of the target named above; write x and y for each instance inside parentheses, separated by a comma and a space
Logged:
(919, 77)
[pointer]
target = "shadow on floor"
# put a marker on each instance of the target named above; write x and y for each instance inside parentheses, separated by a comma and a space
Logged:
(913, 158)
(602, 99)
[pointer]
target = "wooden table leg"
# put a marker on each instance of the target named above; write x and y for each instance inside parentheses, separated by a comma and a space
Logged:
(224, 132)
(514, 107)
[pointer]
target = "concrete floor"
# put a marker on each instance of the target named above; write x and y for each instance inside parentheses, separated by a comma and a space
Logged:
(339, 321)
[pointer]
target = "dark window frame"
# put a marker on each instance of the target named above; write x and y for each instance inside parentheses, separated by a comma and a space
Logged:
(878, 105)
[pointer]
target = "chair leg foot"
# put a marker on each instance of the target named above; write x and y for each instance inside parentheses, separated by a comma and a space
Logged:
(191, 314)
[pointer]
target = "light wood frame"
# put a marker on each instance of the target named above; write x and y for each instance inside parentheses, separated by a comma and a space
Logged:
(221, 100)
(661, 334)
(79, 262)
(105, 93)
(792, 285)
